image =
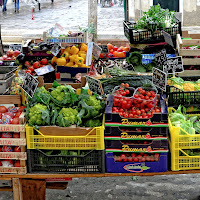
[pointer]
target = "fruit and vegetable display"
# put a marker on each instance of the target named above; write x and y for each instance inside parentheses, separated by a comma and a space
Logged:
(10, 115)
(15, 88)
(30, 66)
(189, 124)
(41, 46)
(184, 85)
(142, 104)
(72, 56)
(115, 52)
(10, 56)
(64, 106)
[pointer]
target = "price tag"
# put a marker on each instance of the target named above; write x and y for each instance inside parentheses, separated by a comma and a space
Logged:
(44, 70)
(94, 85)
(159, 79)
(168, 38)
(104, 48)
(16, 47)
(161, 58)
(30, 85)
(55, 49)
(174, 65)
(96, 51)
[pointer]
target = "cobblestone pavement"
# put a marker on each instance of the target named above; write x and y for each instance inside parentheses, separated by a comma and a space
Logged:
(170, 187)
(69, 13)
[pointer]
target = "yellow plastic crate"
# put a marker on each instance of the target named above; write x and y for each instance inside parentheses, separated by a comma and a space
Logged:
(178, 143)
(71, 138)
(185, 162)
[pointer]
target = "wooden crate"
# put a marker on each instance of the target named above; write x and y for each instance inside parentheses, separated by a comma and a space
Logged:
(188, 52)
(22, 156)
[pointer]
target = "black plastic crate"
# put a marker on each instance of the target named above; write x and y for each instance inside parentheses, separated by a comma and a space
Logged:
(178, 97)
(147, 36)
(91, 162)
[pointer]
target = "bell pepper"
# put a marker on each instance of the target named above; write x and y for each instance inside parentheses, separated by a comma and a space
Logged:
(61, 61)
(75, 65)
(81, 52)
(79, 61)
(73, 58)
(70, 64)
(67, 49)
(53, 60)
(66, 55)
(83, 47)
(84, 57)
(74, 50)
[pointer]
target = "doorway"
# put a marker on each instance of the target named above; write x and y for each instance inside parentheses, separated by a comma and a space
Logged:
(172, 5)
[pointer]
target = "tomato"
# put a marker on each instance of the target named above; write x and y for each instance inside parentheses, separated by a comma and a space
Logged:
(143, 159)
(148, 158)
(142, 96)
(36, 65)
(146, 109)
(138, 112)
(139, 100)
(147, 97)
(122, 84)
(120, 50)
(150, 105)
(17, 163)
(136, 159)
(17, 149)
(15, 120)
(145, 102)
(27, 64)
(149, 115)
(17, 114)
(29, 71)
(3, 109)
(130, 159)
(31, 68)
(121, 110)
(131, 115)
(156, 155)
(115, 48)
(143, 92)
(142, 110)
(152, 93)
(44, 61)
(127, 92)
(121, 114)
(124, 104)
(125, 115)
(21, 108)
(115, 104)
(149, 94)
(158, 110)
(139, 89)
(134, 112)
(126, 85)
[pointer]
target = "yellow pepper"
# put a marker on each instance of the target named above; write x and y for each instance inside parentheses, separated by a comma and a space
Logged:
(81, 52)
(74, 50)
(75, 65)
(70, 64)
(73, 58)
(61, 61)
(79, 61)
(66, 55)
(67, 49)
(84, 57)
(83, 47)
(53, 60)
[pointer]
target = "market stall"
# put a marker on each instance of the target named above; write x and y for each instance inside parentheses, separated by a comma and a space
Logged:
(81, 109)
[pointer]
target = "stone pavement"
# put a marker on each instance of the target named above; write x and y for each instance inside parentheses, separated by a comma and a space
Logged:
(69, 13)
(169, 187)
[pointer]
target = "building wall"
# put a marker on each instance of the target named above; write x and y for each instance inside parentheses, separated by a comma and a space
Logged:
(191, 10)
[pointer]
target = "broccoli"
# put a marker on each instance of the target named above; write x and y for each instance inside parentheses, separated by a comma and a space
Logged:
(67, 117)
(93, 101)
(58, 93)
(93, 123)
(135, 59)
(38, 115)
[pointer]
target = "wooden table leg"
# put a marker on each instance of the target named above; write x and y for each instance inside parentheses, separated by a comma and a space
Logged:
(33, 189)
(16, 189)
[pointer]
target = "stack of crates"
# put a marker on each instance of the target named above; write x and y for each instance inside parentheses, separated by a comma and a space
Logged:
(184, 148)
(53, 149)
(136, 145)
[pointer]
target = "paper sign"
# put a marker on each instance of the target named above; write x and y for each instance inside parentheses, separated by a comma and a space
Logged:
(89, 53)
(96, 51)
(44, 70)
(174, 65)
(15, 47)
(168, 38)
(104, 48)
(94, 85)
(159, 79)
(30, 85)
(161, 58)
(55, 49)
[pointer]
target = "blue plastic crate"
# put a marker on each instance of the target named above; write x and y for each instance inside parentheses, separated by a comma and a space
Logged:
(136, 167)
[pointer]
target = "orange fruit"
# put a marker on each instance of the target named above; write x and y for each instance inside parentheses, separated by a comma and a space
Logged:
(111, 51)
(110, 46)
(115, 53)
(121, 55)
(126, 48)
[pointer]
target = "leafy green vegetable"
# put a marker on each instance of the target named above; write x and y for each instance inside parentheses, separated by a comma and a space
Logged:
(156, 18)
(93, 123)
